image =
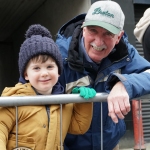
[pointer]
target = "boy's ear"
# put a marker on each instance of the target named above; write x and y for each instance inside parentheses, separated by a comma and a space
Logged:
(26, 76)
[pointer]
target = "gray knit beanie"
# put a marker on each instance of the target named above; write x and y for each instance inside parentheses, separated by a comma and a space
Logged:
(38, 42)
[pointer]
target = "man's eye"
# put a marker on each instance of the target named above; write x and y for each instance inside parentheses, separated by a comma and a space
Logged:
(109, 34)
(92, 30)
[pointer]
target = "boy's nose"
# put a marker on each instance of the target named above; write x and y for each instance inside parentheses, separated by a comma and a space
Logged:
(44, 72)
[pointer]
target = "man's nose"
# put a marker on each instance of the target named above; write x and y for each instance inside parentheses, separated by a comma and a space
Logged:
(99, 40)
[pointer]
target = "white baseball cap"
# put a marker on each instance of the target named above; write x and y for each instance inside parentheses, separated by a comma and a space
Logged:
(106, 14)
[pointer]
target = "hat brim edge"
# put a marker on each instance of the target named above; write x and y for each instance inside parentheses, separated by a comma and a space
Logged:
(104, 25)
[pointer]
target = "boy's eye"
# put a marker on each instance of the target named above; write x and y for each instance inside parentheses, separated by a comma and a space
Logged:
(36, 68)
(50, 66)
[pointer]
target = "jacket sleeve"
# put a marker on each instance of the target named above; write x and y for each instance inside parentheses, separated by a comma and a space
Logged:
(135, 76)
(81, 118)
(7, 122)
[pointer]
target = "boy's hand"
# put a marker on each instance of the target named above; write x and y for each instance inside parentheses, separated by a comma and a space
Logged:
(85, 92)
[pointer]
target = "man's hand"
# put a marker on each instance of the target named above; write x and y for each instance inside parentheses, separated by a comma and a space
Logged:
(118, 102)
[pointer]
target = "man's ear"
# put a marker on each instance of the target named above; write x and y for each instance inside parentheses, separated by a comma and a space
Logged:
(119, 36)
(84, 28)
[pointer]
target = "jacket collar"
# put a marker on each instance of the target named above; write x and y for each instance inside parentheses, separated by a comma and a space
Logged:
(57, 88)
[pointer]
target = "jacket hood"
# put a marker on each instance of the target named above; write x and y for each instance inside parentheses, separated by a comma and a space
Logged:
(19, 90)
(68, 39)
(58, 89)
(71, 32)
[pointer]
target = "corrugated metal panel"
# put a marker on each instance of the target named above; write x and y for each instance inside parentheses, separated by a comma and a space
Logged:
(138, 11)
(139, 47)
(146, 119)
(141, 1)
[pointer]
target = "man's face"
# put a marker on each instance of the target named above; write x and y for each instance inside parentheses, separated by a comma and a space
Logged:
(99, 42)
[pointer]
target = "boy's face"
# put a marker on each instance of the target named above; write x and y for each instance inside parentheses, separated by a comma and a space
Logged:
(42, 76)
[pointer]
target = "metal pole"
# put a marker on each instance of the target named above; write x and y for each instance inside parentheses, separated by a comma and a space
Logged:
(50, 99)
(54, 99)
(101, 126)
(138, 125)
(61, 143)
(16, 126)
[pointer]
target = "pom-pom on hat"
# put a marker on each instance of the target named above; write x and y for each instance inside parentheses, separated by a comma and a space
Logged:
(38, 42)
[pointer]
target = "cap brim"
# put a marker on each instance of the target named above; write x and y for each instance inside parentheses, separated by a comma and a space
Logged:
(104, 25)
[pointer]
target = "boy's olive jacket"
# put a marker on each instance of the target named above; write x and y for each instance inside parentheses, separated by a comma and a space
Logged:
(34, 130)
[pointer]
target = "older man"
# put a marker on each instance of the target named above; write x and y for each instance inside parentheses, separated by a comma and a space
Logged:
(97, 54)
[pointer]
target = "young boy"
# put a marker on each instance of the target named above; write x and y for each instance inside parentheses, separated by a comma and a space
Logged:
(38, 127)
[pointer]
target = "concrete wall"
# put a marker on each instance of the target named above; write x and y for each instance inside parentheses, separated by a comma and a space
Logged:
(7, 72)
